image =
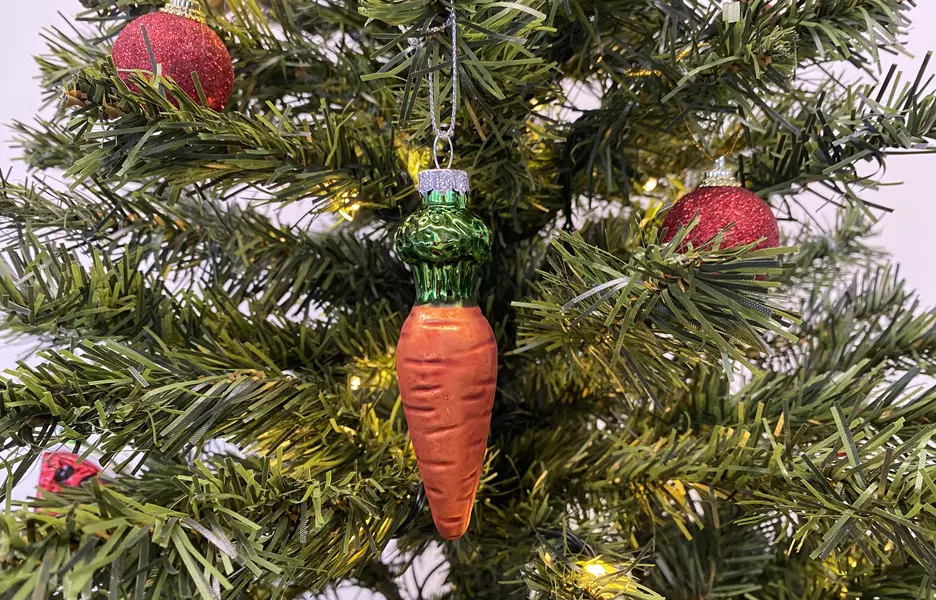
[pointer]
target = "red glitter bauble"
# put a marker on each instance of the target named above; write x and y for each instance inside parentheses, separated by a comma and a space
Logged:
(718, 207)
(182, 46)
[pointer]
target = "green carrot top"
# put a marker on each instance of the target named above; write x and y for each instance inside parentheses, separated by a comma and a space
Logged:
(443, 241)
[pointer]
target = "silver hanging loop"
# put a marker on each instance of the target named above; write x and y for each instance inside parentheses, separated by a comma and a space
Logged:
(449, 132)
(435, 151)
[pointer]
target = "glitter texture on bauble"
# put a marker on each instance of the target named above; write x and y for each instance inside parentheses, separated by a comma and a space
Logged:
(182, 46)
(719, 202)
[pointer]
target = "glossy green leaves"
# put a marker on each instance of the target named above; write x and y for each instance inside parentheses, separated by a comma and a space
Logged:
(445, 243)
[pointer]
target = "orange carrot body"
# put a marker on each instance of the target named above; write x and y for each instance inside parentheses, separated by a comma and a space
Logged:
(447, 369)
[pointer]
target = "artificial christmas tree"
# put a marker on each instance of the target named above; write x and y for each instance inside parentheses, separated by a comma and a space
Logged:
(669, 420)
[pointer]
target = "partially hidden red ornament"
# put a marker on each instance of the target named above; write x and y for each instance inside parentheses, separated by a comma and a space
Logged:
(63, 469)
(719, 202)
(182, 44)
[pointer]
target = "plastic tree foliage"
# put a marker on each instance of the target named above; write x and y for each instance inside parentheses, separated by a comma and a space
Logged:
(212, 301)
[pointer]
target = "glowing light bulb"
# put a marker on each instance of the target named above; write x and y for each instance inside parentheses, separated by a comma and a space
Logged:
(355, 383)
(348, 213)
(650, 185)
(597, 569)
(347, 205)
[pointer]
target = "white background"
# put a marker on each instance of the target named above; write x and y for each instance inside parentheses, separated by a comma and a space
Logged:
(905, 233)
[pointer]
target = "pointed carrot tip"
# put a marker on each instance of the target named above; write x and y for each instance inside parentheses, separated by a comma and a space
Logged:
(452, 532)
(452, 528)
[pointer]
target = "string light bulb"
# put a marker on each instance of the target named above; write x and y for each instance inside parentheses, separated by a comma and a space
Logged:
(598, 569)
(347, 205)
(355, 383)
(349, 211)
(605, 580)
(651, 184)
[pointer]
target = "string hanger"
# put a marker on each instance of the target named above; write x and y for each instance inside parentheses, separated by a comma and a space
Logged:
(448, 133)
(735, 140)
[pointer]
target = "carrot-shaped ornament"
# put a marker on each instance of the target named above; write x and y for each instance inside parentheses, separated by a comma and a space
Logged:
(447, 355)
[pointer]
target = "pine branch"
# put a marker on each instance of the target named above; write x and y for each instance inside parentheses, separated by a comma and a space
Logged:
(320, 157)
(853, 478)
(652, 316)
(48, 293)
(809, 493)
(218, 246)
(249, 524)
(874, 319)
(703, 80)
(164, 405)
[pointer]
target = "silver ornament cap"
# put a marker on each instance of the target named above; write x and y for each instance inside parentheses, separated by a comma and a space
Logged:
(190, 9)
(720, 176)
(443, 181)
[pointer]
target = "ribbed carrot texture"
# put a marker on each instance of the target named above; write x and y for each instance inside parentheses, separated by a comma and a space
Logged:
(447, 369)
